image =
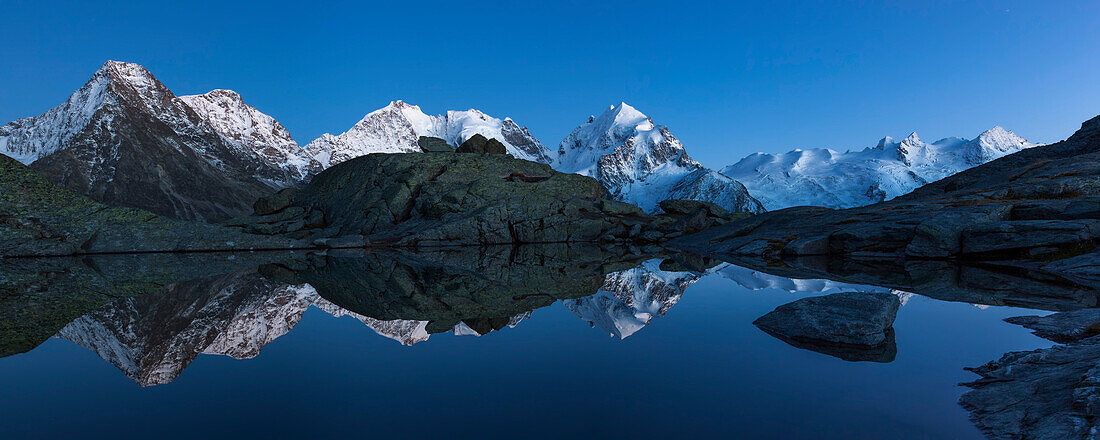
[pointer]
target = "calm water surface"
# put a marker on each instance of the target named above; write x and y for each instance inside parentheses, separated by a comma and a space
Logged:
(654, 353)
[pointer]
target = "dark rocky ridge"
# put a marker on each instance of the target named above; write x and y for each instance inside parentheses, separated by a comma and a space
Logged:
(1038, 209)
(461, 199)
(37, 218)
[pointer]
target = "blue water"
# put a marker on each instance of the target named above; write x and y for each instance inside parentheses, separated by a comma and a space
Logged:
(701, 370)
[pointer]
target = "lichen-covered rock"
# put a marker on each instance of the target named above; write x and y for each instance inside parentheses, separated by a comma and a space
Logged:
(479, 144)
(430, 144)
(38, 218)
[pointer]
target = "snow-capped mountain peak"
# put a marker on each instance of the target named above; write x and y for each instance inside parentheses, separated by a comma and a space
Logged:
(252, 133)
(823, 177)
(643, 163)
(398, 126)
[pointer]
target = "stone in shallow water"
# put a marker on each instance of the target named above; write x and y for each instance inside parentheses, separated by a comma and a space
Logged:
(1051, 393)
(847, 319)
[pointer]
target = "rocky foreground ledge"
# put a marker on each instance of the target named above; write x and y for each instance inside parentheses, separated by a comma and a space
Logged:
(38, 218)
(1038, 209)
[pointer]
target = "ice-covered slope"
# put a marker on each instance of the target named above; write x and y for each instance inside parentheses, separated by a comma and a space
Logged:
(826, 177)
(126, 139)
(643, 163)
(253, 133)
(396, 128)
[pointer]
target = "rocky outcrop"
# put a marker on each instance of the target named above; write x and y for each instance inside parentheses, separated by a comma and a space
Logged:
(1050, 393)
(851, 325)
(1038, 209)
(37, 218)
(480, 145)
(1063, 327)
(430, 144)
(459, 199)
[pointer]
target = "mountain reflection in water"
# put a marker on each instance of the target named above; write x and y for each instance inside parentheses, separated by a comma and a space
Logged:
(151, 316)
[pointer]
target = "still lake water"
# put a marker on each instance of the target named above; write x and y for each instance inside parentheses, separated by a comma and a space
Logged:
(654, 353)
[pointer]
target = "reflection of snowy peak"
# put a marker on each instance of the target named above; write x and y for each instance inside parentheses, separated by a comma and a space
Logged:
(755, 280)
(825, 177)
(630, 299)
(407, 332)
(396, 128)
(153, 338)
(643, 163)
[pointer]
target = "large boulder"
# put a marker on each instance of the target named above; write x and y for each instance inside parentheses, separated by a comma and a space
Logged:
(430, 144)
(847, 319)
(479, 144)
(455, 199)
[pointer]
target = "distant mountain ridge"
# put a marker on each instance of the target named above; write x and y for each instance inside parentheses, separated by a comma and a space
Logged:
(126, 139)
(396, 128)
(826, 177)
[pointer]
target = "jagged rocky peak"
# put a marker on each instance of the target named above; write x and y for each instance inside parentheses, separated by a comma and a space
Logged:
(396, 128)
(643, 163)
(253, 132)
(31, 138)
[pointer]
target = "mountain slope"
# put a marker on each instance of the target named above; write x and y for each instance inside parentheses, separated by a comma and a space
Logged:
(396, 128)
(825, 177)
(125, 139)
(251, 133)
(643, 163)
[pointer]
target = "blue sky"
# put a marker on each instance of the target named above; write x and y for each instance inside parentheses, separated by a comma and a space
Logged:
(728, 79)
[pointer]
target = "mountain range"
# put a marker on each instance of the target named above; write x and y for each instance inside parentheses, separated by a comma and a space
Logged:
(833, 179)
(125, 139)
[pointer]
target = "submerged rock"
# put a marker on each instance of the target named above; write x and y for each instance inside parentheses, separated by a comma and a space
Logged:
(850, 321)
(1051, 393)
